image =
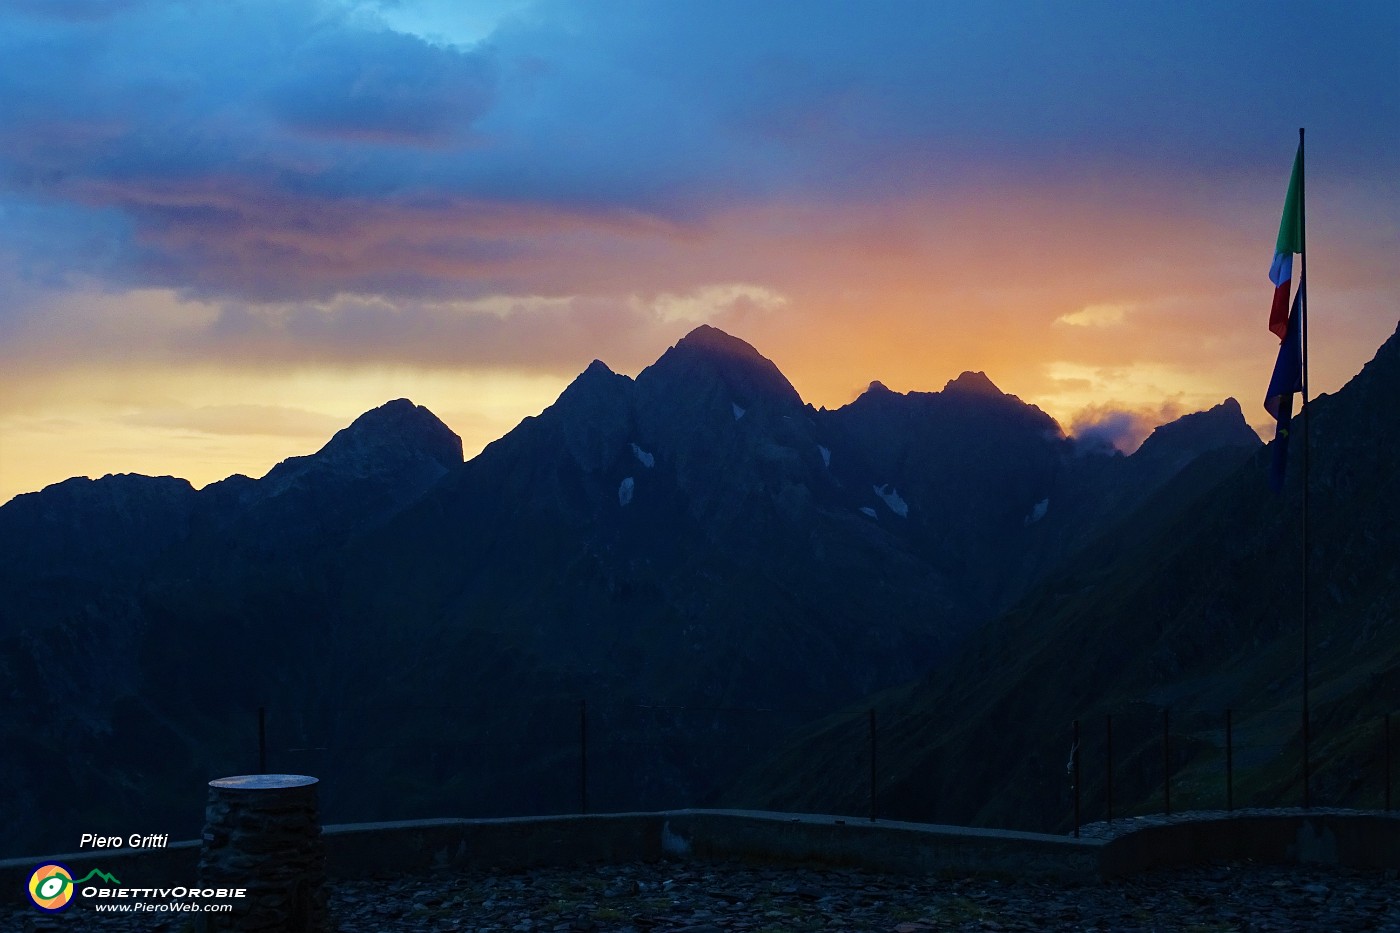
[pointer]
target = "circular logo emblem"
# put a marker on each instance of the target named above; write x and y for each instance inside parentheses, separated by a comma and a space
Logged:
(51, 887)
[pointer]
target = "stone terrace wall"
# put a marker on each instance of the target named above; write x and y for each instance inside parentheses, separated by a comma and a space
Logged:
(365, 850)
(1332, 837)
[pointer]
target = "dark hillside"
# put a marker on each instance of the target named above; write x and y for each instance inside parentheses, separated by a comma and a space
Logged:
(1192, 603)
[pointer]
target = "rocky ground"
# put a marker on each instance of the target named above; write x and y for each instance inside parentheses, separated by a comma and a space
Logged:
(669, 897)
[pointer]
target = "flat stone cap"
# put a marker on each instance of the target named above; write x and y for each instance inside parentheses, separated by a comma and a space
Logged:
(263, 781)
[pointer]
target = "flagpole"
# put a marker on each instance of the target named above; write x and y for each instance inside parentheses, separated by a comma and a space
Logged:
(1307, 561)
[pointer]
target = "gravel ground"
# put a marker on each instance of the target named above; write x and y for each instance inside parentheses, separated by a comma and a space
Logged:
(691, 897)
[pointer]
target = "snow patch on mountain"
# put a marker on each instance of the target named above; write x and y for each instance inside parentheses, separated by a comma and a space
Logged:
(893, 499)
(647, 460)
(1038, 511)
(624, 491)
(738, 412)
(867, 510)
(826, 455)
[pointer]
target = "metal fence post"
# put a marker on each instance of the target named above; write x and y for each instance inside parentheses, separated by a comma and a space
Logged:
(1307, 754)
(1387, 762)
(872, 764)
(1229, 760)
(1074, 758)
(583, 756)
(1167, 761)
(1108, 757)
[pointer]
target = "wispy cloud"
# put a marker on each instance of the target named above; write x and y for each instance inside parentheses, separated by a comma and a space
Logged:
(713, 303)
(1104, 315)
(239, 420)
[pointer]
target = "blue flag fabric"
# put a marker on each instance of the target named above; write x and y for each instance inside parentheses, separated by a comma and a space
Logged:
(1285, 382)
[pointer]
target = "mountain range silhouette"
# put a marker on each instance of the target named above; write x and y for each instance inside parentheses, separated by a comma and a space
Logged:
(697, 537)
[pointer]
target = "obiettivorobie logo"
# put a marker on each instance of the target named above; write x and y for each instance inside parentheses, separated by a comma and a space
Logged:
(52, 888)
(51, 885)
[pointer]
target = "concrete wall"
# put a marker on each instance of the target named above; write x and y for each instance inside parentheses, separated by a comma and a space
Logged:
(369, 849)
(1356, 840)
(365, 850)
(362, 850)
(897, 848)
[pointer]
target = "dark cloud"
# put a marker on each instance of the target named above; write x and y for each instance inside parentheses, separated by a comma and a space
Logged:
(382, 87)
(231, 148)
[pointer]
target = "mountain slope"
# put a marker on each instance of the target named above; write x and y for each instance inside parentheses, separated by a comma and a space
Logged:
(1192, 604)
(142, 623)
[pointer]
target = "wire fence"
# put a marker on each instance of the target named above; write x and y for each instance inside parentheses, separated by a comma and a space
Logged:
(540, 756)
(579, 756)
(1235, 758)
(516, 759)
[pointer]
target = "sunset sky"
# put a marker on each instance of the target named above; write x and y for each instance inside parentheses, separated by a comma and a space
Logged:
(227, 228)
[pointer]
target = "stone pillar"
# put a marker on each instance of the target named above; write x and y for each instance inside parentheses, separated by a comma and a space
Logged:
(262, 832)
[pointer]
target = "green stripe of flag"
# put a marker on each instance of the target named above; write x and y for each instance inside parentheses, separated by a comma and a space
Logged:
(1290, 229)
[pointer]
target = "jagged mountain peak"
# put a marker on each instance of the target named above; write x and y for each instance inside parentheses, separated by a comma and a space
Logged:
(973, 383)
(712, 339)
(709, 361)
(1193, 434)
(971, 395)
(384, 441)
(597, 378)
(595, 374)
(116, 495)
(117, 485)
(91, 527)
(592, 413)
(397, 428)
(968, 385)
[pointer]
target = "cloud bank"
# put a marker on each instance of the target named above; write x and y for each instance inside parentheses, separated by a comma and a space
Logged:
(299, 148)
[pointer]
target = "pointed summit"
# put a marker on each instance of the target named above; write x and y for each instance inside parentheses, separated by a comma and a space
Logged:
(393, 440)
(1191, 435)
(709, 360)
(598, 368)
(598, 380)
(973, 383)
(395, 430)
(706, 337)
(596, 399)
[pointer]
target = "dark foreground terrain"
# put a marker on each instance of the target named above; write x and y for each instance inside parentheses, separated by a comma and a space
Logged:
(669, 897)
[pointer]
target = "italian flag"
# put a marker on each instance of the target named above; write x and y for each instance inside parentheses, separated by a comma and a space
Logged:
(1290, 241)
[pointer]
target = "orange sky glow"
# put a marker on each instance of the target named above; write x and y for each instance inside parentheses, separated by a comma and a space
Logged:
(1078, 309)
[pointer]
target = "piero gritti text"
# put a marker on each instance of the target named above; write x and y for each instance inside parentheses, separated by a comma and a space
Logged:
(134, 841)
